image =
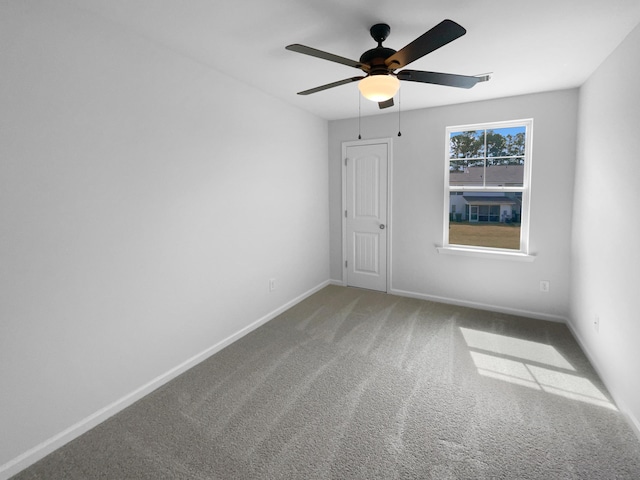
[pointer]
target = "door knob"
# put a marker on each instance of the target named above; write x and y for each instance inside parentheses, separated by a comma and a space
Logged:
(382, 227)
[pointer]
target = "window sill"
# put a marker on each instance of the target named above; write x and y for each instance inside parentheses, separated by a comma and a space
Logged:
(481, 253)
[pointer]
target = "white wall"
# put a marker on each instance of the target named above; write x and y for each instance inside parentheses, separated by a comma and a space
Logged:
(145, 201)
(418, 197)
(606, 229)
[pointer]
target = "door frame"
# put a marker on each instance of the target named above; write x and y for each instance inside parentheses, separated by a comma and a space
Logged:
(477, 214)
(389, 225)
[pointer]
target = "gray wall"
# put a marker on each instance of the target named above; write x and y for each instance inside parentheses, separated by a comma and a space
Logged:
(418, 197)
(606, 229)
(143, 199)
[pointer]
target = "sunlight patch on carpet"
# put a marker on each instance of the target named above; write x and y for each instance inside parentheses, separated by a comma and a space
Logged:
(516, 347)
(511, 360)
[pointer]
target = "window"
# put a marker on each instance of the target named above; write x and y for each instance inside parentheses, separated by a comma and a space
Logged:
(487, 175)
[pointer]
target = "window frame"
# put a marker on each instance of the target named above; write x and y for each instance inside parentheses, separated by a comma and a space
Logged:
(477, 250)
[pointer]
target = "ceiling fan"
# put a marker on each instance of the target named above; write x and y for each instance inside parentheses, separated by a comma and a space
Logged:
(381, 81)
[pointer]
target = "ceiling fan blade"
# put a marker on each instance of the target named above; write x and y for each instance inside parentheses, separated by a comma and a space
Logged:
(330, 85)
(386, 103)
(314, 52)
(443, 33)
(447, 79)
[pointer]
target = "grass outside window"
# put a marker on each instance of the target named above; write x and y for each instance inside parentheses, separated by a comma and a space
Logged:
(491, 235)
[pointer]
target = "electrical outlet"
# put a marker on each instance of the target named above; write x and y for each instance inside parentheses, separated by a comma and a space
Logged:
(272, 284)
(596, 323)
(544, 286)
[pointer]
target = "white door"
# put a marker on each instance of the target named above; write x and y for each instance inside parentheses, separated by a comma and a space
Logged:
(366, 215)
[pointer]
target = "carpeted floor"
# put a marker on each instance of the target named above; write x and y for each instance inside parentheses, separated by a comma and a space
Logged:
(353, 384)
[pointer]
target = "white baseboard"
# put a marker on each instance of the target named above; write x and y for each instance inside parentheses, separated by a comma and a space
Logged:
(38, 452)
(481, 306)
(622, 407)
(340, 283)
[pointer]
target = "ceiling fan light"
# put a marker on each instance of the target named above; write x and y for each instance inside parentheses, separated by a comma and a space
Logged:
(379, 88)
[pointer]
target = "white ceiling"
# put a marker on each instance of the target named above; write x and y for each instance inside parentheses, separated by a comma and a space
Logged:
(529, 46)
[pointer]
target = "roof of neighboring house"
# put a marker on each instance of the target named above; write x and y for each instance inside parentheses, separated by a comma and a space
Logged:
(491, 200)
(498, 175)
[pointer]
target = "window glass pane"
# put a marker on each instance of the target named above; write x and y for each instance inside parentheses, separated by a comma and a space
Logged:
(485, 219)
(505, 172)
(504, 142)
(466, 144)
(466, 172)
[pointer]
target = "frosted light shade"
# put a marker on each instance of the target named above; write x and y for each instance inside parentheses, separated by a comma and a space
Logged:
(379, 88)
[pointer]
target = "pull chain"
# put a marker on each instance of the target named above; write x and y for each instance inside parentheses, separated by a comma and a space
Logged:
(399, 111)
(359, 114)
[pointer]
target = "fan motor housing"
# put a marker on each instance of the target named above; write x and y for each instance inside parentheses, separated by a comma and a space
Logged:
(375, 58)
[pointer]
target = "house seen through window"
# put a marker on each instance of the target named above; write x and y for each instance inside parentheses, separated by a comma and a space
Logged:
(487, 186)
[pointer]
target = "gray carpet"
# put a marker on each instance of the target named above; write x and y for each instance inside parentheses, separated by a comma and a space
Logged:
(353, 384)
